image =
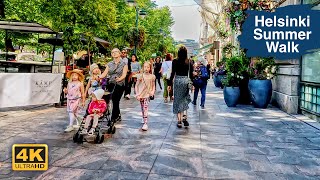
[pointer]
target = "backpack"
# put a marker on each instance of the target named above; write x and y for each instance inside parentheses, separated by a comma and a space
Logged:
(204, 73)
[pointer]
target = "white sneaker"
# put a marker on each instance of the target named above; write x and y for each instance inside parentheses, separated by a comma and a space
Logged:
(69, 129)
(142, 121)
(145, 127)
(76, 127)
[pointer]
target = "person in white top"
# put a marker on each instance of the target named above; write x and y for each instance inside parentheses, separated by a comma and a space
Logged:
(166, 69)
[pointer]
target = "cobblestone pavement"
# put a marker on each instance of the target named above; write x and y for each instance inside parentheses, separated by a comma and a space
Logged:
(221, 143)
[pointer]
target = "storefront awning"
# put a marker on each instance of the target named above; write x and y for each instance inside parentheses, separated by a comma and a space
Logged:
(25, 27)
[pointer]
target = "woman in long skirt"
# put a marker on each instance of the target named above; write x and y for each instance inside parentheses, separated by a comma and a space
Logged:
(182, 69)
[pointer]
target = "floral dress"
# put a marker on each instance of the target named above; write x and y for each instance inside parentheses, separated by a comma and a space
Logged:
(73, 97)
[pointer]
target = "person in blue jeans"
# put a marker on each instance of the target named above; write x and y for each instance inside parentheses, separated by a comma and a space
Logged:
(200, 81)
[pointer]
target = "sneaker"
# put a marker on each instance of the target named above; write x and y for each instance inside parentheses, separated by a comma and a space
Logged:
(91, 132)
(76, 127)
(119, 118)
(165, 100)
(142, 121)
(194, 103)
(84, 131)
(69, 129)
(145, 127)
(202, 106)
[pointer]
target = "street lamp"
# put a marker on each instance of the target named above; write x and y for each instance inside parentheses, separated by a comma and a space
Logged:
(142, 13)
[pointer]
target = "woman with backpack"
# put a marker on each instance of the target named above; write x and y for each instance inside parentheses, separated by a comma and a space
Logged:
(200, 81)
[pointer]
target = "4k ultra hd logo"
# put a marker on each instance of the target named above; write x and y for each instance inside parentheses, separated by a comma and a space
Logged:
(30, 157)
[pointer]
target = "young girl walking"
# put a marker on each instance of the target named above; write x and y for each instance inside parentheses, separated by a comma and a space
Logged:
(75, 96)
(145, 89)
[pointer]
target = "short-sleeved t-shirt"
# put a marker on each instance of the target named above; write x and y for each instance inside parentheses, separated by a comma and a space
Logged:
(166, 65)
(135, 66)
(116, 70)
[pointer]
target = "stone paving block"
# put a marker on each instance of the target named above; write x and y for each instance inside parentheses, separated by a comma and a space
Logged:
(64, 173)
(139, 146)
(181, 147)
(310, 170)
(141, 163)
(178, 166)
(114, 175)
(83, 159)
(227, 169)
(165, 177)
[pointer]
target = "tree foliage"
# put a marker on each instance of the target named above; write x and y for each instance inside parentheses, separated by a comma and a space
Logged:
(112, 20)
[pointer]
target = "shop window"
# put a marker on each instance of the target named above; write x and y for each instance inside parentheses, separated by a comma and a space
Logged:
(310, 98)
(311, 67)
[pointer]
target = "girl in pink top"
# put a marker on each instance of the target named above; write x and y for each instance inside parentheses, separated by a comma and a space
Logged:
(145, 88)
(75, 97)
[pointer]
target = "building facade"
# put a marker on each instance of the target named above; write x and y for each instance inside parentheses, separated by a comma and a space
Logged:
(191, 45)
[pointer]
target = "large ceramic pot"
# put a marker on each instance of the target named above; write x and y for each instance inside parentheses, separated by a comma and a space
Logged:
(260, 92)
(231, 96)
(218, 80)
(244, 92)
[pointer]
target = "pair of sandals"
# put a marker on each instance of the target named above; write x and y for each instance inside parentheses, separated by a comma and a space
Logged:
(184, 121)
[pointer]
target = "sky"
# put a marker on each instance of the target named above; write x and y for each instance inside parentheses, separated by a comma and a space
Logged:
(187, 18)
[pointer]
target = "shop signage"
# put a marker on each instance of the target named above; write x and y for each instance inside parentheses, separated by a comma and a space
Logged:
(24, 89)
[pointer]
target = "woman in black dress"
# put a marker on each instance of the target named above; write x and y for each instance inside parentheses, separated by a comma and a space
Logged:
(157, 73)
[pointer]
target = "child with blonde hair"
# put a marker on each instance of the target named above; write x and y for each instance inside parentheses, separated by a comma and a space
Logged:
(145, 89)
(75, 96)
(94, 81)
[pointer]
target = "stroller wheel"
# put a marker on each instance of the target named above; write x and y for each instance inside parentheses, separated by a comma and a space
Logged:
(80, 139)
(101, 139)
(114, 129)
(75, 137)
(98, 138)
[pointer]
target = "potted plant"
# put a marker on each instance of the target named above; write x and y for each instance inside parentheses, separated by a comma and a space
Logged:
(231, 91)
(219, 74)
(261, 70)
(244, 90)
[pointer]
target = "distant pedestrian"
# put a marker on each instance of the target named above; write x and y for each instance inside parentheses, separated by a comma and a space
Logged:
(145, 89)
(75, 97)
(166, 69)
(127, 61)
(157, 71)
(200, 81)
(182, 69)
(132, 79)
(117, 71)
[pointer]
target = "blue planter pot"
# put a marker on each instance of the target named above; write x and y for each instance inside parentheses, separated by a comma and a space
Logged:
(260, 92)
(218, 80)
(231, 96)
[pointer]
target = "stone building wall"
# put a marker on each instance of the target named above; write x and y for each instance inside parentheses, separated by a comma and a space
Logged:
(286, 84)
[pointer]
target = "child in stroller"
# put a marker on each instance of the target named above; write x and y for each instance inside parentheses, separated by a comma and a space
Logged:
(95, 126)
(96, 109)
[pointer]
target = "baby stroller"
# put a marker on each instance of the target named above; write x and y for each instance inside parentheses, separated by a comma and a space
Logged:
(105, 124)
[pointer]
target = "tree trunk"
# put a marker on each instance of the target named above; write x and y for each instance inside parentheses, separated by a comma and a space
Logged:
(2, 9)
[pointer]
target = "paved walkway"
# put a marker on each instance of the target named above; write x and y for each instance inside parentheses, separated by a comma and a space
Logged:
(221, 143)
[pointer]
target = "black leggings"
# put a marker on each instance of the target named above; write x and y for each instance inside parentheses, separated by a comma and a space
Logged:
(159, 82)
(116, 97)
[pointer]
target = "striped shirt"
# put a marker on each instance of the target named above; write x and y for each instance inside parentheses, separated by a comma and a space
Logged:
(116, 70)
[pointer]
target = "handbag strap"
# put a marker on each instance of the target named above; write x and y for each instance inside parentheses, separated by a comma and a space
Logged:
(189, 70)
